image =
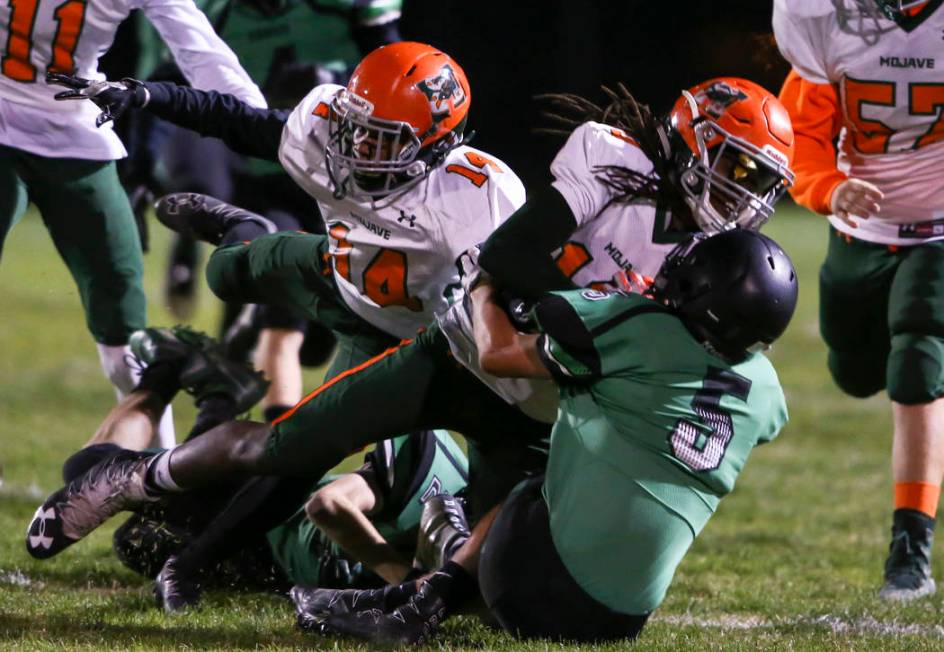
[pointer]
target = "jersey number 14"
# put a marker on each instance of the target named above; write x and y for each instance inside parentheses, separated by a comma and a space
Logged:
(703, 451)
(70, 17)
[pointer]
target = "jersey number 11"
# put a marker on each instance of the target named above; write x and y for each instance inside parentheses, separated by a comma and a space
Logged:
(70, 17)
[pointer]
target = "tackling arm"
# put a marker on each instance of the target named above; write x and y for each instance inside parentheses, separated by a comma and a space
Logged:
(503, 351)
(340, 510)
(518, 253)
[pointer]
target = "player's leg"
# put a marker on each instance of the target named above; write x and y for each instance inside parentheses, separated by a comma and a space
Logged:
(854, 284)
(13, 192)
(915, 385)
(91, 223)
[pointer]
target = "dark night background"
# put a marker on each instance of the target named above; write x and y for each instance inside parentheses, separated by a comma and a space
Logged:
(514, 50)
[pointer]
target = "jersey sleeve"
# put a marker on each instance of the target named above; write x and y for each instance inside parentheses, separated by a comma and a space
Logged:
(576, 168)
(477, 192)
(817, 119)
(377, 12)
(576, 342)
(205, 60)
(297, 147)
(803, 37)
(775, 409)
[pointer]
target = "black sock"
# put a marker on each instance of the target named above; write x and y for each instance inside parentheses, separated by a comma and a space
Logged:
(162, 378)
(243, 231)
(213, 410)
(262, 503)
(454, 584)
(273, 412)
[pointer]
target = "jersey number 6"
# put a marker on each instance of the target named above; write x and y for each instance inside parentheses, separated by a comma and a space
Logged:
(700, 450)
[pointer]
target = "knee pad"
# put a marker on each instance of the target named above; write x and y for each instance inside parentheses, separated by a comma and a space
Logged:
(856, 374)
(916, 368)
(115, 364)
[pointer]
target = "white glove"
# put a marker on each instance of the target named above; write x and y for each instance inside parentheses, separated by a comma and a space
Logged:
(854, 197)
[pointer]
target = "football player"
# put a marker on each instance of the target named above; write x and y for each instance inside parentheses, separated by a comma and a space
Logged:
(863, 71)
(662, 401)
(52, 155)
(353, 529)
(418, 384)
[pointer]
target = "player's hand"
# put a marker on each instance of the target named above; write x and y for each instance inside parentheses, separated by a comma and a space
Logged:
(470, 274)
(113, 98)
(855, 197)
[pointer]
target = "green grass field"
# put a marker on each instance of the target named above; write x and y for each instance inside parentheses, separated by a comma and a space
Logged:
(792, 560)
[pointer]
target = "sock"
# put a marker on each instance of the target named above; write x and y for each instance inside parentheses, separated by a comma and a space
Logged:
(273, 412)
(454, 584)
(243, 231)
(157, 480)
(214, 410)
(161, 378)
(918, 496)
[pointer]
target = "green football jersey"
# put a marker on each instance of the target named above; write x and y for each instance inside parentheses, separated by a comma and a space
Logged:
(408, 470)
(652, 431)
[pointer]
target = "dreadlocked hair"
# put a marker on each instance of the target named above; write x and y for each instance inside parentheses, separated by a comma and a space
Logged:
(567, 111)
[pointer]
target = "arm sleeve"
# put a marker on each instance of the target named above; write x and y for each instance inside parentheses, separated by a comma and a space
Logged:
(244, 129)
(518, 254)
(816, 116)
(205, 60)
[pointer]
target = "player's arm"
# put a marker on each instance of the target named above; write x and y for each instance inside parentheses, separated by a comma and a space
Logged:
(517, 255)
(202, 56)
(375, 23)
(503, 351)
(340, 510)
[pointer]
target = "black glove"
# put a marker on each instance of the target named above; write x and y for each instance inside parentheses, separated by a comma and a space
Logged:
(113, 98)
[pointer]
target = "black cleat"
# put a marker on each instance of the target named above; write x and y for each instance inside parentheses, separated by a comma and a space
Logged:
(908, 567)
(109, 487)
(313, 604)
(409, 624)
(204, 370)
(175, 590)
(203, 217)
(443, 529)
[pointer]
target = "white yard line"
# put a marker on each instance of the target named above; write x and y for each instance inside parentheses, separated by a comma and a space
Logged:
(836, 624)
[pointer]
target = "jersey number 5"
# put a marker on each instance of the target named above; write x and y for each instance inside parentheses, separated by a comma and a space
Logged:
(700, 450)
(70, 16)
(384, 278)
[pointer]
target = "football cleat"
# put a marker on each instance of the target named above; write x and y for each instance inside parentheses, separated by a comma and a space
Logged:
(174, 590)
(109, 487)
(312, 605)
(409, 624)
(908, 567)
(443, 529)
(203, 217)
(204, 369)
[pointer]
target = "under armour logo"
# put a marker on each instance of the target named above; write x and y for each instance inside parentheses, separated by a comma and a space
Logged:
(407, 218)
(41, 540)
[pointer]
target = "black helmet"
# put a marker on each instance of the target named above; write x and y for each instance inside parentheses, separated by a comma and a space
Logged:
(735, 291)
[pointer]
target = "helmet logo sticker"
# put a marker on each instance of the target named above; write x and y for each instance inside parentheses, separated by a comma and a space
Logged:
(775, 154)
(718, 97)
(443, 91)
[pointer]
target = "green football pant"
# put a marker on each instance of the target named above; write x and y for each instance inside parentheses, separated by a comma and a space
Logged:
(415, 386)
(882, 317)
(87, 214)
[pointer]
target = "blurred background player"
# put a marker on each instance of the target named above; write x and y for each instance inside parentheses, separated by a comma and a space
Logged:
(662, 402)
(863, 71)
(53, 155)
(288, 47)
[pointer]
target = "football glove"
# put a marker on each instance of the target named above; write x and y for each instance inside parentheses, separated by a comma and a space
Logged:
(470, 274)
(113, 98)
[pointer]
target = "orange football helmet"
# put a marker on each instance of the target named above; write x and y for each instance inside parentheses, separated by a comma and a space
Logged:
(403, 110)
(735, 153)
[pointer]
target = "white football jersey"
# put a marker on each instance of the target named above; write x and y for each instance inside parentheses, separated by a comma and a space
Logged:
(890, 82)
(41, 35)
(610, 238)
(395, 265)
